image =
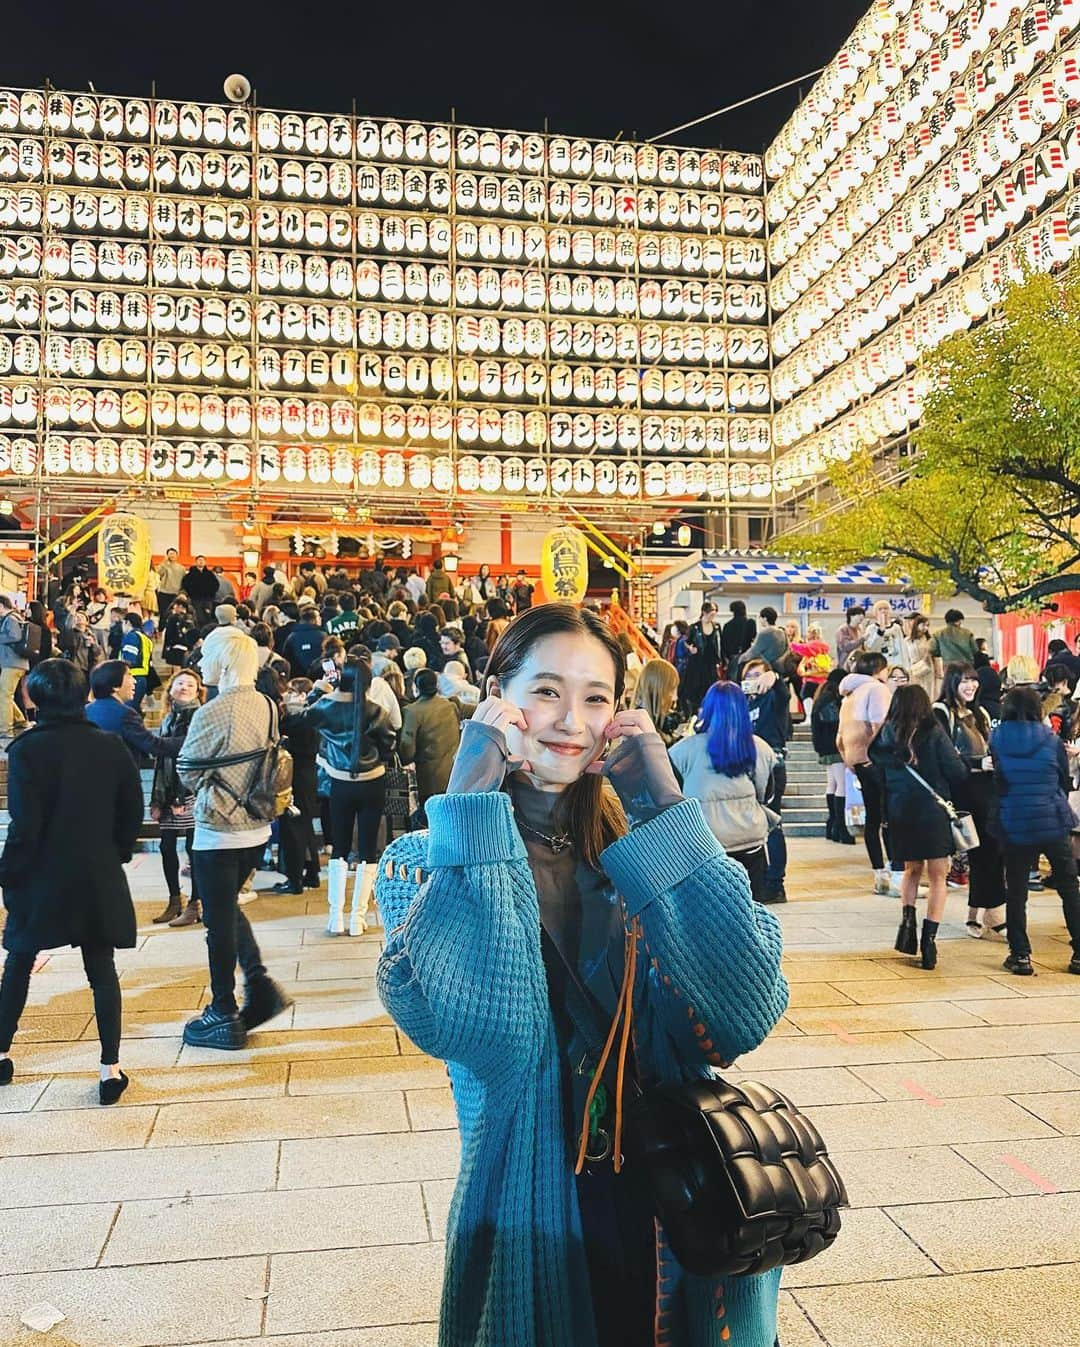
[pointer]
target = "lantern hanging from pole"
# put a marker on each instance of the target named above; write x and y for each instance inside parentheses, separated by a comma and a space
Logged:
(564, 565)
(124, 553)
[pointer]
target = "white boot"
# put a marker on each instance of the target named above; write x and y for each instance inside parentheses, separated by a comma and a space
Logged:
(363, 885)
(338, 872)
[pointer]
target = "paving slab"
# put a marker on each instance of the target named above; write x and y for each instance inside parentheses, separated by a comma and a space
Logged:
(1060, 1110)
(869, 1247)
(83, 1057)
(52, 1028)
(22, 1094)
(118, 1176)
(994, 1233)
(912, 1173)
(414, 1156)
(833, 1050)
(813, 1085)
(50, 1239)
(887, 991)
(882, 1018)
(139, 1306)
(176, 1229)
(1024, 1167)
(431, 1110)
(803, 994)
(311, 1292)
(341, 1014)
(396, 1335)
(1028, 1010)
(1025, 1308)
(63, 1132)
(301, 1045)
(794, 1328)
(957, 1079)
(276, 1118)
(1001, 1040)
(861, 1127)
(188, 1084)
(344, 1075)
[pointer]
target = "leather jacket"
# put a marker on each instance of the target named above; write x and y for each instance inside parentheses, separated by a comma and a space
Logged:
(332, 716)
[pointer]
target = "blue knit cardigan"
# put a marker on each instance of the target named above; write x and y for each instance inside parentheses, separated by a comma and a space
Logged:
(463, 976)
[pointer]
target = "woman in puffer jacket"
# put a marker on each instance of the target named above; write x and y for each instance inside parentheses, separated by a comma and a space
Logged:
(1031, 771)
(355, 739)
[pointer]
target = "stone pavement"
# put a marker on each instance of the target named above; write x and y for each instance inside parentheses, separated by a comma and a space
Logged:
(298, 1190)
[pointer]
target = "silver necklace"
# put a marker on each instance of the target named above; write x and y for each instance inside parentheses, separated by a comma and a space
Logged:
(560, 842)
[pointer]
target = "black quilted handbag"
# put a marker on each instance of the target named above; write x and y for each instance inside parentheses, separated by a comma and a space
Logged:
(741, 1181)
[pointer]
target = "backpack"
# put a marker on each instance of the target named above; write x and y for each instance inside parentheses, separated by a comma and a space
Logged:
(269, 790)
(28, 646)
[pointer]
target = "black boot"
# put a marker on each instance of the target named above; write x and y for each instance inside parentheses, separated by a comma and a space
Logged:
(928, 945)
(172, 909)
(263, 1000)
(830, 827)
(907, 940)
(842, 834)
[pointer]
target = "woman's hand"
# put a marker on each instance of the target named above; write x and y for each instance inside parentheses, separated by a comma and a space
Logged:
(483, 759)
(639, 769)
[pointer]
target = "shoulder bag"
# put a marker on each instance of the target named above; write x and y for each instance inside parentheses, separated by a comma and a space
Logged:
(964, 833)
(740, 1180)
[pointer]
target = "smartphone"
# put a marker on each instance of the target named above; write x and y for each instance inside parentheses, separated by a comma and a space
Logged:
(329, 668)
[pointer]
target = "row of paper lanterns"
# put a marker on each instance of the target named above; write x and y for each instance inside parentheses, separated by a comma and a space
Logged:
(997, 138)
(135, 119)
(1047, 243)
(980, 219)
(164, 170)
(110, 408)
(193, 362)
(884, 49)
(27, 255)
(71, 310)
(374, 232)
(974, 68)
(508, 381)
(995, 143)
(192, 460)
(949, 250)
(163, 310)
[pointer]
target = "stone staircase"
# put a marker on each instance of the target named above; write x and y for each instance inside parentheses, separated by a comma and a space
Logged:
(804, 810)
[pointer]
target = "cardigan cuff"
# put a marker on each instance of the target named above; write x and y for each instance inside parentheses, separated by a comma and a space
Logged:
(658, 855)
(474, 829)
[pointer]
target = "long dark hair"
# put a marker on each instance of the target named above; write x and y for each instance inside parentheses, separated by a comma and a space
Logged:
(588, 809)
(356, 679)
(909, 715)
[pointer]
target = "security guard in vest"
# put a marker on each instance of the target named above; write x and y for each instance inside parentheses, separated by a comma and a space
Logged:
(136, 650)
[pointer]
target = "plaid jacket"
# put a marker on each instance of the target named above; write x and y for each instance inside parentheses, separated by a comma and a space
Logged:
(236, 721)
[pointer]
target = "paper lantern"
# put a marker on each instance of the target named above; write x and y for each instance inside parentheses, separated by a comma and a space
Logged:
(124, 553)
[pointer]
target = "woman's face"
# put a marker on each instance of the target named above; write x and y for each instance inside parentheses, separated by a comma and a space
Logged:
(968, 688)
(566, 690)
(792, 631)
(184, 690)
(898, 678)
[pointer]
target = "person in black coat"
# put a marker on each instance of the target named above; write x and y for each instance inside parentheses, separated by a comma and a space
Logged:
(201, 587)
(920, 832)
(736, 637)
(296, 826)
(62, 866)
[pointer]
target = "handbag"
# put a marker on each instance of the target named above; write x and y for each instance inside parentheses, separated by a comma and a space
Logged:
(964, 833)
(402, 797)
(740, 1180)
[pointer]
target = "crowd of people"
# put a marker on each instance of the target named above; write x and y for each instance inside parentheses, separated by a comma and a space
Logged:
(304, 723)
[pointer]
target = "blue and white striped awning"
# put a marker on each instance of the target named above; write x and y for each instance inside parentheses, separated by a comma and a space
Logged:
(778, 573)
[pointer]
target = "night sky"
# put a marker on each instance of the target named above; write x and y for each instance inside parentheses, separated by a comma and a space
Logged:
(591, 69)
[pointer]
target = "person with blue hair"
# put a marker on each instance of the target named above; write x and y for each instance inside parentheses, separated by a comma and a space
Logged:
(728, 769)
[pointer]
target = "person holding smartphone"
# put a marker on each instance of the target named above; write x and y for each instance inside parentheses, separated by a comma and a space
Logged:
(549, 851)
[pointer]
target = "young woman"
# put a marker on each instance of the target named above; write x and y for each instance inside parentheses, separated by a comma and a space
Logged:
(172, 804)
(728, 768)
(656, 694)
(917, 656)
(824, 724)
(528, 863)
(1032, 774)
(919, 831)
(703, 647)
(897, 676)
(355, 740)
(76, 808)
(968, 726)
(865, 697)
(736, 638)
(485, 584)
